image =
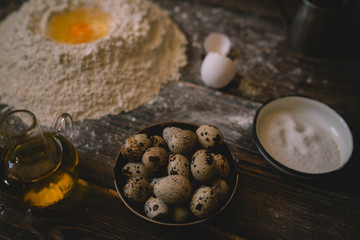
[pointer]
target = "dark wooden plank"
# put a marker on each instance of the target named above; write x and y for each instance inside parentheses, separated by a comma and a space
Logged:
(268, 203)
(92, 212)
(262, 207)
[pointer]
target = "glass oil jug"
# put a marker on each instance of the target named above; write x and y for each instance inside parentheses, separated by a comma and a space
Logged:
(37, 168)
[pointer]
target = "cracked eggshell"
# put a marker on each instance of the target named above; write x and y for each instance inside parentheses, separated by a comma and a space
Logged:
(156, 208)
(174, 189)
(134, 147)
(217, 71)
(204, 202)
(154, 158)
(217, 42)
(203, 166)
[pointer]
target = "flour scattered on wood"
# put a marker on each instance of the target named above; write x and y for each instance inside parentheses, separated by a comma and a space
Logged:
(181, 101)
(143, 50)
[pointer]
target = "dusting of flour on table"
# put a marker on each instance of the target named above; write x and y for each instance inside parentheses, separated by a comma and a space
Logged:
(299, 144)
(143, 50)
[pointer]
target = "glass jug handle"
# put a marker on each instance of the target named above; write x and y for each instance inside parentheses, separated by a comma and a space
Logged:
(64, 126)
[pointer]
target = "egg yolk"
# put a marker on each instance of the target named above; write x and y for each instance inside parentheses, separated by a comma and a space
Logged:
(79, 26)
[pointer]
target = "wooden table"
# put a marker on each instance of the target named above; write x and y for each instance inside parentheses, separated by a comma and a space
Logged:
(268, 204)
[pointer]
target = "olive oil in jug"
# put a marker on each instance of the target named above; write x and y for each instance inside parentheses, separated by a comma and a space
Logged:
(37, 169)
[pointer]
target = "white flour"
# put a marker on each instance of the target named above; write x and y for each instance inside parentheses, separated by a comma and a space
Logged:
(144, 50)
(299, 144)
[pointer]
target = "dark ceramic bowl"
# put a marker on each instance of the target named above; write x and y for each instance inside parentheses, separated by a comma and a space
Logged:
(138, 209)
(317, 116)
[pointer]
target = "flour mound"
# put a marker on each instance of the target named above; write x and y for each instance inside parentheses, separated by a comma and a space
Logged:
(143, 50)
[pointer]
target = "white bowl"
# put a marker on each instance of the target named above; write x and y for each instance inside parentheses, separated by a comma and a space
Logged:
(302, 137)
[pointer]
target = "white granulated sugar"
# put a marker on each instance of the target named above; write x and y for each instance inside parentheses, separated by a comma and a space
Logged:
(299, 143)
(143, 50)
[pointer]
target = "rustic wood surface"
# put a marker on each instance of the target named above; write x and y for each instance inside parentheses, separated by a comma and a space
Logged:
(268, 204)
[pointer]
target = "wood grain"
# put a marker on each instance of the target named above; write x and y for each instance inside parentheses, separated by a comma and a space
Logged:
(268, 204)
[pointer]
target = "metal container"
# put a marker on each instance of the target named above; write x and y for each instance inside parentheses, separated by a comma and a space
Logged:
(318, 27)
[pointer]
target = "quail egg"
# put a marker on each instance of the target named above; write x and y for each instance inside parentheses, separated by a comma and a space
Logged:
(181, 213)
(204, 202)
(168, 131)
(134, 169)
(156, 208)
(209, 136)
(221, 188)
(222, 165)
(158, 141)
(178, 165)
(135, 146)
(137, 189)
(203, 166)
(174, 189)
(154, 181)
(154, 158)
(182, 141)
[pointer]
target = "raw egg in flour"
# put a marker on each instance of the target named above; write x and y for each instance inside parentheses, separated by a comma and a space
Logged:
(79, 26)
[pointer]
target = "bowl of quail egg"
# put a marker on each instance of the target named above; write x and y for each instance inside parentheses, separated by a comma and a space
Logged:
(176, 173)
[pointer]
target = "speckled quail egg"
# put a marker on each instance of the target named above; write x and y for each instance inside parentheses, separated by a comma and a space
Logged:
(158, 141)
(156, 208)
(168, 131)
(204, 202)
(181, 213)
(134, 169)
(154, 181)
(137, 189)
(203, 166)
(154, 158)
(209, 136)
(182, 141)
(221, 189)
(178, 165)
(134, 147)
(222, 165)
(174, 189)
